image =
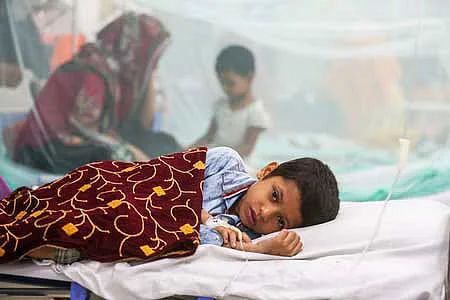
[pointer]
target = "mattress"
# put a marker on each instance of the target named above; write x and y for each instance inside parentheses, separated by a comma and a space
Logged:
(408, 259)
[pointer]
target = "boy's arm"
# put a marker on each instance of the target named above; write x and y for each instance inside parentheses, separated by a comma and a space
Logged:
(205, 216)
(205, 139)
(230, 237)
(251, 136)
(286, 243)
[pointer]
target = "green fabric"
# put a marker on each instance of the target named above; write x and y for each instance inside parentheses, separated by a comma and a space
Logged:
(421, 181)
(421, 177)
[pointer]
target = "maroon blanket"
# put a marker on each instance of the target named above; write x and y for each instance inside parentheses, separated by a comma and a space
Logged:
(110, 210)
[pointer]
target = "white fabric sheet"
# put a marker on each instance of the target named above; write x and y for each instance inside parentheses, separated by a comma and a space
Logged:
(408, 260)
(30, 269)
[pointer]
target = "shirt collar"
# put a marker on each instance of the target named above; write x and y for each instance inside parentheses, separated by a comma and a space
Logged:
(235, 184)
(234, 180)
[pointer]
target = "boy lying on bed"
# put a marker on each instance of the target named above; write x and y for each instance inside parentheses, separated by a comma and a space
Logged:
(119, 211)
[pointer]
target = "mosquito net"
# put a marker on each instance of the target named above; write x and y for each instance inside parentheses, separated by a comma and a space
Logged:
(337, 81)
(341, 81)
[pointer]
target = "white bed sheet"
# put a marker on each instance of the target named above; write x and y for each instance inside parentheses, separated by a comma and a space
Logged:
(30, 269)
(408, 260)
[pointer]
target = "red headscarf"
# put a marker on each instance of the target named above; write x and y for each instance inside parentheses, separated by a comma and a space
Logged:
(135, 43)
(85, 86)
(101, 86)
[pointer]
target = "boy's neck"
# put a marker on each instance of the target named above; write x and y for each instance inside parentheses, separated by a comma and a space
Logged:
(241, 103)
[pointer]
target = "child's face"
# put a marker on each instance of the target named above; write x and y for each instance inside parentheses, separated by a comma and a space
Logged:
(87, 111)
(270, 205)
(234, 85)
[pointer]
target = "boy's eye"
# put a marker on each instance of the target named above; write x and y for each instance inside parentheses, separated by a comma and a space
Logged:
(281, 223)
(274, 195)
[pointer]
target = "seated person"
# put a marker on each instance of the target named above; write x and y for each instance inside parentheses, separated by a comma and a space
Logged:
(73, 119)
(135, 43)
(115, 211)
(100, 104)
(240, 118)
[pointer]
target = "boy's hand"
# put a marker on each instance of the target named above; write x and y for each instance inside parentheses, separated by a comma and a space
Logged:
(286, 243)
(231, 237)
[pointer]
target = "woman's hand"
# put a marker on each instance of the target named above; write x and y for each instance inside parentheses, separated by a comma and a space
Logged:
(138, 154)
(71, 139)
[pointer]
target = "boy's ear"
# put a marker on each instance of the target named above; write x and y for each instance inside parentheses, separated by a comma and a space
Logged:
(266, 170)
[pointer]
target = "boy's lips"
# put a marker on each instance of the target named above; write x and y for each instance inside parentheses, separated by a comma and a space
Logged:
(251, 216)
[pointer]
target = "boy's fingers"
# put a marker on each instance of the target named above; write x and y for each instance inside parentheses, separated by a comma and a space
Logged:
(291, 237)
(294, 247)
(297, 243)
(232, 236)
(297, 249)
(245, 238)
(224, 232)
(288, 238)
(226, 237)
(283, 234)
(239, 246)
(289, 247)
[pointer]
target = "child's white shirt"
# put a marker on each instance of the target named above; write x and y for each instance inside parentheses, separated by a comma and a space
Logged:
(232, 125)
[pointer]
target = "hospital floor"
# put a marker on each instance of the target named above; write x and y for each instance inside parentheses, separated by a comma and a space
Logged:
(57, 295)
(60, 295)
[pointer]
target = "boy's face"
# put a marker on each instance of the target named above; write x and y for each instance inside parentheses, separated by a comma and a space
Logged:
(270, 204)
(234, 85)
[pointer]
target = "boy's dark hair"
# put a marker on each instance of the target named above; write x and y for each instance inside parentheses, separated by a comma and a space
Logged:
(236, 59)
(318, 189)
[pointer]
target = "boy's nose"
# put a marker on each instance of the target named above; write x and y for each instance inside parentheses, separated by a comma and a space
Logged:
(267, 212)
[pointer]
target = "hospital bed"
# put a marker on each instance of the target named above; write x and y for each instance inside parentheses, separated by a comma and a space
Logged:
(27, 279)
(408, 259)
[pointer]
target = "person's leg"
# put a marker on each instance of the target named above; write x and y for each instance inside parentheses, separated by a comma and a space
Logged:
(58, 255)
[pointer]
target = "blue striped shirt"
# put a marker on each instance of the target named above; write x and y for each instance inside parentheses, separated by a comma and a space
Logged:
(226, 180)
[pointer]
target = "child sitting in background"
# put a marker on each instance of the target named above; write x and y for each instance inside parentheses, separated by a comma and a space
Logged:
(115, 211)
(238, 119)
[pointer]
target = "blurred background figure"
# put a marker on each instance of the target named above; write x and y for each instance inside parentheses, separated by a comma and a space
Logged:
(238, 118)
(135, 43)
(341, 81)
(23, 60)
(427, 86)
(100, 104)
(369, 94)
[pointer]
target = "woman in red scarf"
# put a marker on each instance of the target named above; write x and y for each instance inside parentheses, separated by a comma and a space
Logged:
(103, 94)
